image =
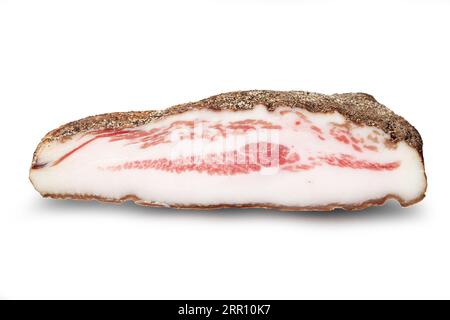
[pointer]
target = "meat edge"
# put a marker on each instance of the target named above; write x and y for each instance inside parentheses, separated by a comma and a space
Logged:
(324, 208)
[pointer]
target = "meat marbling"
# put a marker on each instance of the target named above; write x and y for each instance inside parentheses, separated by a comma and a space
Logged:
(286, 150)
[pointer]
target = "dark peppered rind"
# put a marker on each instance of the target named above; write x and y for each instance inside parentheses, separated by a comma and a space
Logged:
(359, 108)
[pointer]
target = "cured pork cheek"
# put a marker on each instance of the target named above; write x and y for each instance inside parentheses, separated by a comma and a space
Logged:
(286, 150)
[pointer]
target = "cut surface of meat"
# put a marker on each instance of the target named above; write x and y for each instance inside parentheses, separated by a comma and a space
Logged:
(269, 155)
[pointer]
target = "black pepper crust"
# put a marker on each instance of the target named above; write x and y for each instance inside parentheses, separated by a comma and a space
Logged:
(359, 108)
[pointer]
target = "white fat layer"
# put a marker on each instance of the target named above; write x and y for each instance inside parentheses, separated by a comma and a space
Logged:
(83, 172)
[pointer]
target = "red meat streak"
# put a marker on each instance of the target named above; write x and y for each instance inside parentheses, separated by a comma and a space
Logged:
(256, 157)
(249, 158)
(99, 136)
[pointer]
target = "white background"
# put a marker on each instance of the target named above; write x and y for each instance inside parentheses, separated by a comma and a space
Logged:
(64, 60)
